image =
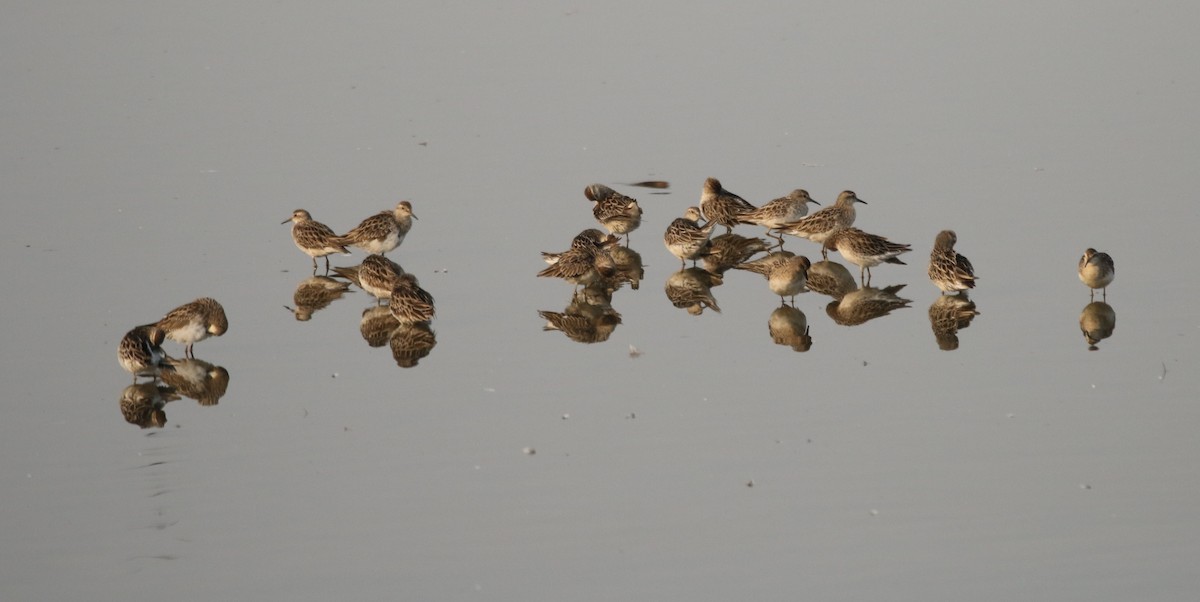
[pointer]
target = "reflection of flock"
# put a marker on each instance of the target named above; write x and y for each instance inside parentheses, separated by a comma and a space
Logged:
(591, 264)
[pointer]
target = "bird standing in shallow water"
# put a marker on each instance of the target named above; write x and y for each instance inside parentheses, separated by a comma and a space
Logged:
(409, 302)
(618, 213)
(193, 322)
(314, 238)
(948, 270)
(721, 206)
(818, 226)
(1097, 271)
(381, 232)
(780, 212)
(139, 351)
(686, 239)
(863, 249)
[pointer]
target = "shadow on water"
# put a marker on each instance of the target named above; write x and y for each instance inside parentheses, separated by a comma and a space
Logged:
(949, 314)
(1097, 323)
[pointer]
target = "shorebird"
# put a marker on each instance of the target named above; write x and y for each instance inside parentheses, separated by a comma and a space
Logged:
(193, 322)
(1096, 270)
(618, 213)
(721, 206)
(686, 239)
(381, 232)
(314, 238)
(818, 226)
(863, 249)
(948, 270)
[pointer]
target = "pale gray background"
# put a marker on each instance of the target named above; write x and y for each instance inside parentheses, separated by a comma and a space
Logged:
(150, 151)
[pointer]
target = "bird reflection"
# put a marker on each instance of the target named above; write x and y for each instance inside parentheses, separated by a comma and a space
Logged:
(866, 303)
(627, 267)
(789, 326)
(198, 379)
(831, 278)
(728, 250)
(691, 289)
(142, 404)
(588, 318)
(949, 314)
(411, 342)
(377, 325)
(1097, 323)
(316, 293)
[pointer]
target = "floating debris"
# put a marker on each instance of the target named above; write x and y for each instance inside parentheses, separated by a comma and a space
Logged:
(651, 184)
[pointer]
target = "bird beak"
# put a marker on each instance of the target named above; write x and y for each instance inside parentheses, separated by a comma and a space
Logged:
(860, 200)
(813, 201)
(285, 221)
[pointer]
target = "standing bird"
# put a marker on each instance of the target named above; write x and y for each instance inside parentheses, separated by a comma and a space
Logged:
(616, 212)
(686, 238)
(864, 250)
(314, 238)
(818, 226)
(780, 212)
(381, 232)
(194, 322)
(409, 302)
(1096, 270)
(139, 351)
(586, 262)
(376, 274)
(786, 273)
(949, 270)
(721, 206)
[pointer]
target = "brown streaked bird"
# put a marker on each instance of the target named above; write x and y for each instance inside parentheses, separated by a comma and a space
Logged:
(409, 302)
(686, 239)
(1096, 271)
(377, 324)
(314, 238)
(786, 273)
(728, 250)
(588, 239)
(948, 270)
(780, 212)
(863, 249)
(140, 351)
(583, 321)
(381, 232)
(721, 206)
(582, 264)
(376, 275)
(818, 226)
(618, 213)
(193, 322)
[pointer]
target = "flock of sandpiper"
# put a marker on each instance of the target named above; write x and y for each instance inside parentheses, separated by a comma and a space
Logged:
(593, 261)
(600, 265)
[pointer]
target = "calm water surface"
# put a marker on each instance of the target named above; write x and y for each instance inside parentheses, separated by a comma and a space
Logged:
(151, 152)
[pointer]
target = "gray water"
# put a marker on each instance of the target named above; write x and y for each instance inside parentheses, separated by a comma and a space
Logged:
(150, 152)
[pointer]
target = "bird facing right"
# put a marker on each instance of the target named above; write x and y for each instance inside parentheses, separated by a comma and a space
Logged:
(686, 239)
(381, 232)
(818, 226)
(139, 351)
(618, 213)
(1096, 270)
(863, 249)
(948, 270)
(409, 302)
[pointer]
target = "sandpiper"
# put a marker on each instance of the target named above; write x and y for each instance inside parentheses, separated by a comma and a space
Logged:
(140, 353)
(381, 232)
(721, 206)
(948, 270)
(864, 250)
(1096, 270)
(376, 275)
(686, 238)
(780, 212)
(409, 302)
(618, 213)
(585, 262)
(786, 273)
(194, 322)
(728, 250)
(818, 226)
(314, 238)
